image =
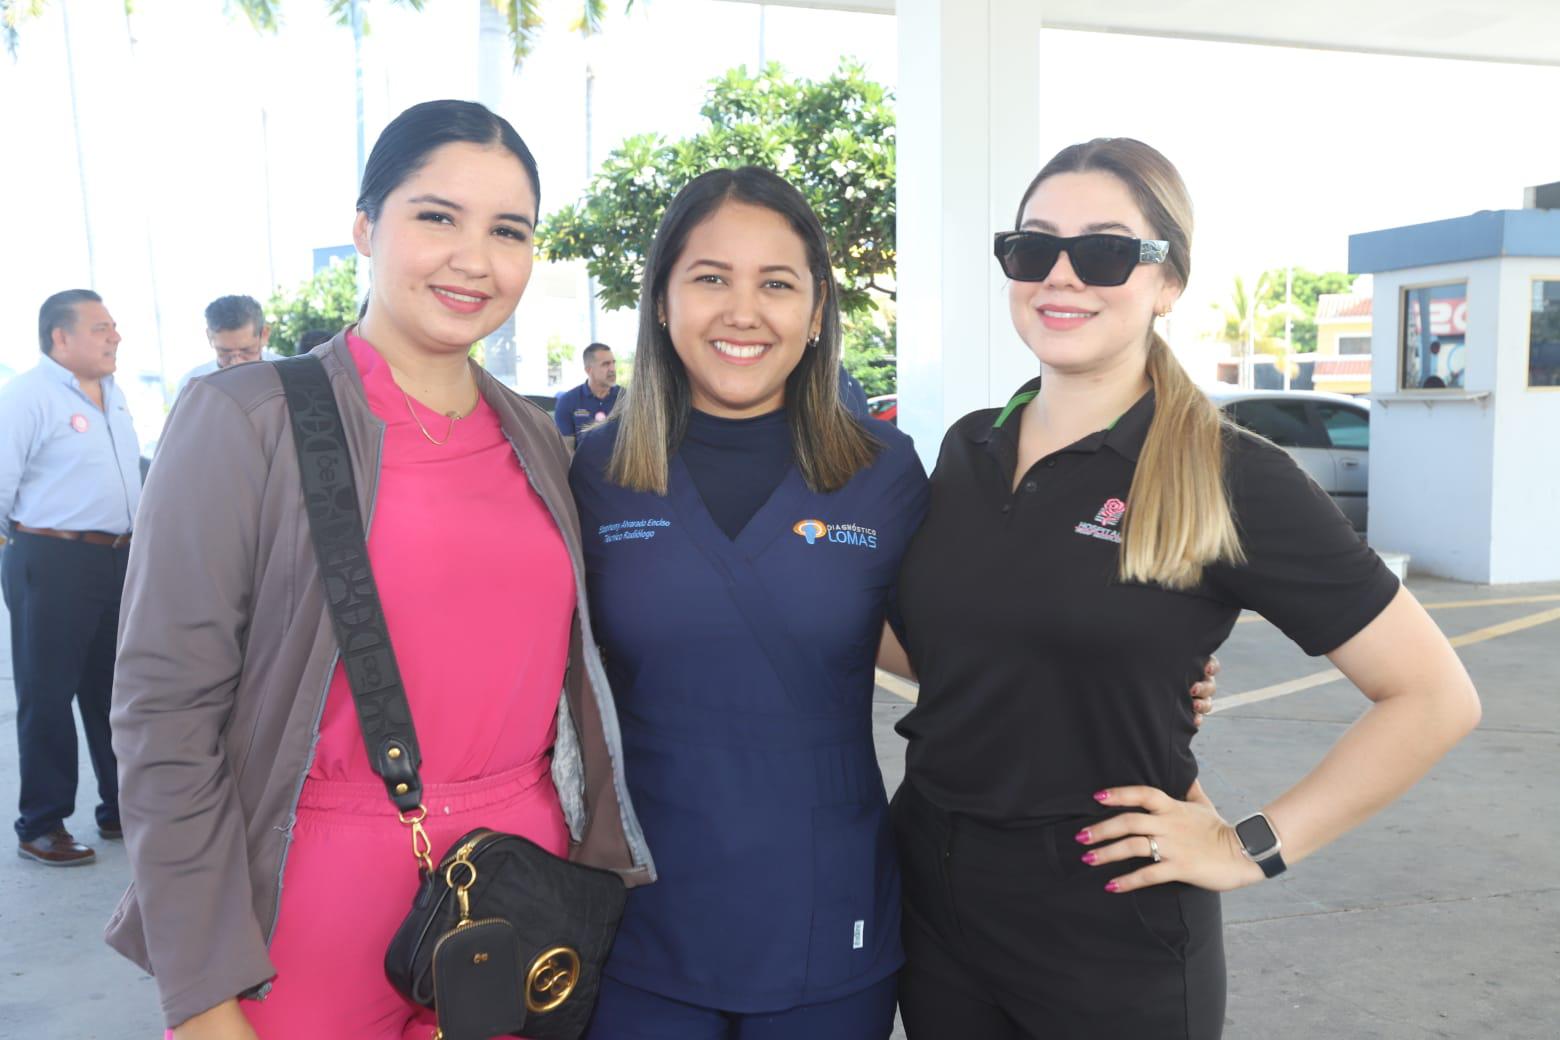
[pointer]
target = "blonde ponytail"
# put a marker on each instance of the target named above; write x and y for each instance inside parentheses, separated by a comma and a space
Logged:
(1178, 518)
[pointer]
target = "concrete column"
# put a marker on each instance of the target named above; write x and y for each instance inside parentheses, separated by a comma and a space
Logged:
(969, 122)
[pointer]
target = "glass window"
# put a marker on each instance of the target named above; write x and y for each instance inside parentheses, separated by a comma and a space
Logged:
(1354, 344)
(1282, 422)
(1346, 427)
(1435, 322)
(1544, 335)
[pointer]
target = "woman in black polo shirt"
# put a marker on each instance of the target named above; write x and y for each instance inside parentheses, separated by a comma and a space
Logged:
(1086, 546)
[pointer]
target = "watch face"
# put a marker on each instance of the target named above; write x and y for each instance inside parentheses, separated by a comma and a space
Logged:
(1256, 834)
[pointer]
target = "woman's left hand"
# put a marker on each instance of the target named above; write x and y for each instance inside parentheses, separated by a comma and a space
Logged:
(1194, 843)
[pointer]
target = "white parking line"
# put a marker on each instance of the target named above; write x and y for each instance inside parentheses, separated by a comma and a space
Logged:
(897, 686)
(1509, 601)
(1308, 682)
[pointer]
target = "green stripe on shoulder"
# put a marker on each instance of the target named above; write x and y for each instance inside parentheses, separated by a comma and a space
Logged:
(1019, 400)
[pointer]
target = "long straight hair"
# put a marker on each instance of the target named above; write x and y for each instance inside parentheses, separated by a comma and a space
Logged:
(1178, 517)
(829, 444)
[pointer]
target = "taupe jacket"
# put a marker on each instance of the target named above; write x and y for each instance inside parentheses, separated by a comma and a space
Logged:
(225, 656)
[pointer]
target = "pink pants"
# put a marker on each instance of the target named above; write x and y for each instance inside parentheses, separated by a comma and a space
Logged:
(349, 880)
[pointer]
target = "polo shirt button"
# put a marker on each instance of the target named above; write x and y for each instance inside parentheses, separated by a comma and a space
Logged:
(1007, 507)
(1050, 463)
(1030, 485)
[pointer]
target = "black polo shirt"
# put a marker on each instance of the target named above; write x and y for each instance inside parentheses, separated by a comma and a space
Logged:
(1045, 678)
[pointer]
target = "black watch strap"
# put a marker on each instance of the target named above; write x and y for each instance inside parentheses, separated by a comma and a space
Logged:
(1273, 865)
(336, 523)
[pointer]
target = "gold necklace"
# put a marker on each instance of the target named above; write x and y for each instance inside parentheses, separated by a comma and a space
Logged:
(454, 417)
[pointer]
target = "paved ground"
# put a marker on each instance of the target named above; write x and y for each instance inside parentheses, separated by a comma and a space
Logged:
(1441, 918)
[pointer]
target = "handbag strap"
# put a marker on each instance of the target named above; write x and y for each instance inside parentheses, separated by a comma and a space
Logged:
(336, 525)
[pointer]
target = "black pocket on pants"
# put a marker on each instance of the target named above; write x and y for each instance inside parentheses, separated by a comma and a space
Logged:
(1161, 911)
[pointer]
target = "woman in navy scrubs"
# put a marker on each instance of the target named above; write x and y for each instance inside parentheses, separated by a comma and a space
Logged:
(743, 533)
(1080, 545)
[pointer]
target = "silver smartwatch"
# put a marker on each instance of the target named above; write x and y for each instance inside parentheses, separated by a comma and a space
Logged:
(1260, 842)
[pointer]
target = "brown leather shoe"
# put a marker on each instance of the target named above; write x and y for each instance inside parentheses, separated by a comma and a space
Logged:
(56, 849)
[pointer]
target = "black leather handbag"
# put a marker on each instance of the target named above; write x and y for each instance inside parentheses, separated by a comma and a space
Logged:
(503, 938)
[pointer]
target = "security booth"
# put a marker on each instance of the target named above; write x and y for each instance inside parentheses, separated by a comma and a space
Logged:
(1465, 392)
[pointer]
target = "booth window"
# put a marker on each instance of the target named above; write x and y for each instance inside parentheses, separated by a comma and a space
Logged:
(1544, 335)
(1435, 323)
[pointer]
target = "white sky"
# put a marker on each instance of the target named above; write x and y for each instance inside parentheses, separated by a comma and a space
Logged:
(1287, 152)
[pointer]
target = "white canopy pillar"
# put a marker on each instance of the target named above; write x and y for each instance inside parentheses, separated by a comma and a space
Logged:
(968, 136)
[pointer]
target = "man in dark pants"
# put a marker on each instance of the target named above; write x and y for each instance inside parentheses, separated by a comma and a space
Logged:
(69, 484)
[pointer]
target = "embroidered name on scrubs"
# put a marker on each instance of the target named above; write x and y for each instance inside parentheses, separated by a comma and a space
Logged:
(631, 530)
(816, 531)
(1105, 522)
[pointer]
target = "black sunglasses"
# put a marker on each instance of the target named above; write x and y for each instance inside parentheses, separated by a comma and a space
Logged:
(1028, 256)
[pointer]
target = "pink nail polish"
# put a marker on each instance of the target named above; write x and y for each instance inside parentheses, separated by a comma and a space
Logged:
(1102, 796)
(1111, 886)
(1082, 837)
(1090, 858)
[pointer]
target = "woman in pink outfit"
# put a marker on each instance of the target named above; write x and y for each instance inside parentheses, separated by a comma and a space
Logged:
(270, 868)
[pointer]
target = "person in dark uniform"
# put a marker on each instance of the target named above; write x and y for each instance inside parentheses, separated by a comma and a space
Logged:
(1084, 546)
(578, 409)
(742, 535)
(70, 480)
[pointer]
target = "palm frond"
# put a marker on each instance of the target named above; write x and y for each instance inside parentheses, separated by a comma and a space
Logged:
(593, 15)
(12, 14)
(524, 18)
(264, 15)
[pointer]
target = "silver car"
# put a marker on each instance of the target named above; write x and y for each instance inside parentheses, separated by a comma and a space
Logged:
(1327, 434)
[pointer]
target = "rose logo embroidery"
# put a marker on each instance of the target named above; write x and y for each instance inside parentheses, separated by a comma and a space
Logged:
(1111, 512)
(78, 423)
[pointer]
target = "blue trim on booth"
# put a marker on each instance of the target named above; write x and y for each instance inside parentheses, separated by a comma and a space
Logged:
(1479, 236)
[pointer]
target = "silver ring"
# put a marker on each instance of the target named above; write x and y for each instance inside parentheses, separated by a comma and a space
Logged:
(1153, 850)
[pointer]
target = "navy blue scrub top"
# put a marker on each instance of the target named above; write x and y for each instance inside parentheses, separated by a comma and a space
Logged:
(743, 674)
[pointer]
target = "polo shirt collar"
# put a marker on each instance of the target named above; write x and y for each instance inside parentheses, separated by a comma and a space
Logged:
(1125, 436)
(60, 374)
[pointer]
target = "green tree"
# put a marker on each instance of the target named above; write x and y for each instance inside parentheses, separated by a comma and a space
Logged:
(562, 357)
(832, 138)
(524, 17)
(1251, 322)
(1305, 287)
(326, 301)
(868, 354)
(12, 14)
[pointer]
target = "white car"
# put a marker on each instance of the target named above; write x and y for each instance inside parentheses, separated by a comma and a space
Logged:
(1327, 434)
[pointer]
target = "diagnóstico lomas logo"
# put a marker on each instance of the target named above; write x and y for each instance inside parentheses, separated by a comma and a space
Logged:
(816, 531)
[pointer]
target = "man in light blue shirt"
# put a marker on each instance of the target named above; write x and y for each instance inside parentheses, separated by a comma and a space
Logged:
(237, 331)
(70, 482)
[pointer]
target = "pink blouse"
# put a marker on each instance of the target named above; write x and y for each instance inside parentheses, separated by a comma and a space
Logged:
(477, 590)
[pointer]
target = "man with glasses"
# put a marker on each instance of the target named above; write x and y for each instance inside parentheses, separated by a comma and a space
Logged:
(236, 330)
(69, 487)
